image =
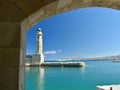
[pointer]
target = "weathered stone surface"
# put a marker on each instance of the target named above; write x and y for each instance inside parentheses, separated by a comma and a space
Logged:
(22, 56)
(9, 34)
(37, 16)
(101, 3)
(25, 25)
(17, 10)
(21, 77)
(9, 55)
(60, 6)
(24, 28)
(2, 55)
(63, 6)
(80, 4)
(20, 9)
(9, 11)
(87, 3)
(12, 55)
(22, 69)
(9, 78)
(107, 3)
(50, 9)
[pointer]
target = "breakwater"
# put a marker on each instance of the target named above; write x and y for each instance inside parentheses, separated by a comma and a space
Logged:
(57, 64)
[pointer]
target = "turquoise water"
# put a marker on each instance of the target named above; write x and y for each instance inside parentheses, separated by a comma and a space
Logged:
(63, 78)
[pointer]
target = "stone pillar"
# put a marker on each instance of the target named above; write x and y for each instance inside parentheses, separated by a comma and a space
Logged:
(12, 56)
(9, 55)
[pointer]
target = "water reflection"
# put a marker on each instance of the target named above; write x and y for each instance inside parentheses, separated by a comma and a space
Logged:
(34, 78)
(41, 79)
(27, 69)
(82, 70)
(52, 78)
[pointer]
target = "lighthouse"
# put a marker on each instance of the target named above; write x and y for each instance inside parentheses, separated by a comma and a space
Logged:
(38, 57)
(39, 45)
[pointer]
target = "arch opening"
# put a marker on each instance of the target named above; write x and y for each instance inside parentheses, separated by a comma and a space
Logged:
(85, 25)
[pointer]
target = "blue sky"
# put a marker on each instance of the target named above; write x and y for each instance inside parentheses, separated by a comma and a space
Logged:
(86, 32)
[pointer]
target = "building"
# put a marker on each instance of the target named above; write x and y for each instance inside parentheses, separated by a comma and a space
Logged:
(38, 57)
(28, 58)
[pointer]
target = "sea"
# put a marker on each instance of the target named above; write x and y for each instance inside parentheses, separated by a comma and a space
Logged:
(95, 73)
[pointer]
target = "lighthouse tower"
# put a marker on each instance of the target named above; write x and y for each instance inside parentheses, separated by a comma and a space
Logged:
(39, 45)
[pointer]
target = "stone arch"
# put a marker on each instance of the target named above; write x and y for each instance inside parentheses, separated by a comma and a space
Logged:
(60, 6)
(12, 24)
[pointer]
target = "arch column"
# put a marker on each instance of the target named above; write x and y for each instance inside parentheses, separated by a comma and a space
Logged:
(12, 55)
(24, 26)
(9, 55)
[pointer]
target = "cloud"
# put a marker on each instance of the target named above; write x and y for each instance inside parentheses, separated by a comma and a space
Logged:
(52, 52)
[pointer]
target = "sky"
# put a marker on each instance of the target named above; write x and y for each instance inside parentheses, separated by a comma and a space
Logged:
(85, 32)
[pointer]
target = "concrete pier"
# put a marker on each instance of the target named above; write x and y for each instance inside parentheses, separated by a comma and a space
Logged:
(57, 64)
(109, 87)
